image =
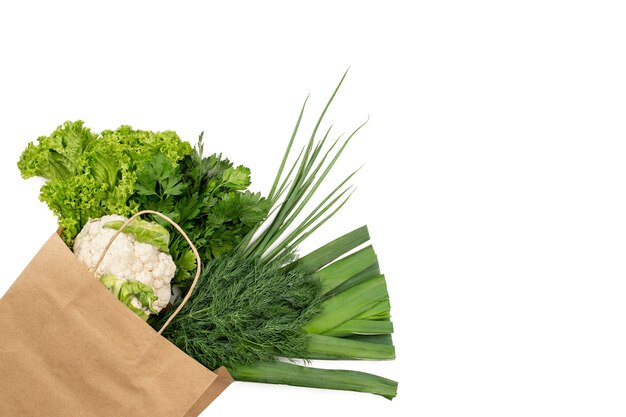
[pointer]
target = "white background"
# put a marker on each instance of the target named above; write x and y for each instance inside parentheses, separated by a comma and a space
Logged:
(493, 183)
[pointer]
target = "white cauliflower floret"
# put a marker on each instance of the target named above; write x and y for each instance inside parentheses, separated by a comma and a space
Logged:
(127, 259)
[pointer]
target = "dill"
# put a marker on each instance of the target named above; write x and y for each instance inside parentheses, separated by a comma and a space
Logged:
(245, 311)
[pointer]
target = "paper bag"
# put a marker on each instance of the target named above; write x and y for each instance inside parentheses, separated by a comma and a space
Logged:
(68, 348)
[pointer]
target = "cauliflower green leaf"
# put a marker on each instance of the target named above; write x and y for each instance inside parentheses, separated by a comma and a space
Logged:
(128, 290)
(144, 231)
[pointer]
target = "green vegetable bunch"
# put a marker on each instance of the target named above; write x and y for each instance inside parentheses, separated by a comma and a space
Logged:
(91, 175)
(207, 197)
(257, 308)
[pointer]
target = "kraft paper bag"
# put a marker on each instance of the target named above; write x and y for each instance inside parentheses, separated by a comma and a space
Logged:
(68, 348)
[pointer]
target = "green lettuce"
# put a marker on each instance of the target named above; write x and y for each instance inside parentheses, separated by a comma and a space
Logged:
(91, 175)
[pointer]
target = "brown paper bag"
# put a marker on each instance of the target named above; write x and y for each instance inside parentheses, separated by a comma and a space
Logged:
(68, 348)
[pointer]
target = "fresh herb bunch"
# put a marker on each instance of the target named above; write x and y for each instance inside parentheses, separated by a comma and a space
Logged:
(207, 197)
(244, 311)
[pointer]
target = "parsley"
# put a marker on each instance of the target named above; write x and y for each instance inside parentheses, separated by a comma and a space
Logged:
(207, 197)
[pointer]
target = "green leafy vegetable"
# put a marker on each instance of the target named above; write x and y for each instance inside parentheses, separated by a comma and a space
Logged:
(58, 156)
(159, 178)
(206, 197)
(91, 175)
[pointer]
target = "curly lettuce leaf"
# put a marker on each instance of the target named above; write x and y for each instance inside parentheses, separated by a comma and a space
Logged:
(58, 156)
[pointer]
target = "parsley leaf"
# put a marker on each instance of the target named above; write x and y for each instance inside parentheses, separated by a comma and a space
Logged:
(159, 178)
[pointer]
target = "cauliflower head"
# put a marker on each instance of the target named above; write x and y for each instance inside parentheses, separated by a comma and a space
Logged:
(130, 260)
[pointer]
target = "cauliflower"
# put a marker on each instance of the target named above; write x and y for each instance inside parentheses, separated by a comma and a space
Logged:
(130, 261)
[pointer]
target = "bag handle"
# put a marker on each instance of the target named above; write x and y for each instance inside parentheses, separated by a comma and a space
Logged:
(191, 245)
